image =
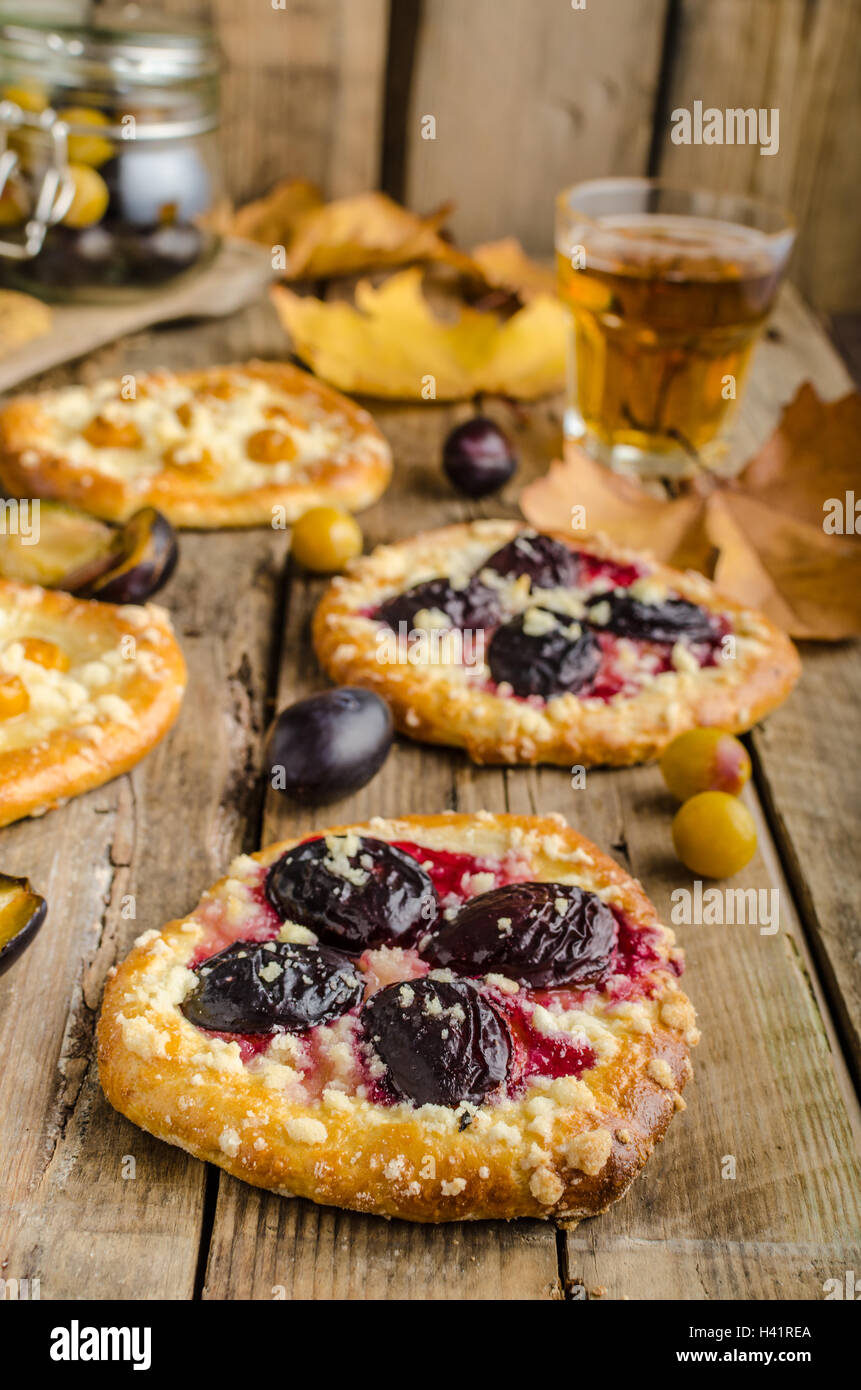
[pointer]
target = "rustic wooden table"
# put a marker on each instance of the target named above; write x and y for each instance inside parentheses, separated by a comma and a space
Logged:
(94, 1208)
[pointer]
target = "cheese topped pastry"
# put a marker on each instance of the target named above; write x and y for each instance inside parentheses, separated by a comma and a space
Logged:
(86, 690)
(244, 445)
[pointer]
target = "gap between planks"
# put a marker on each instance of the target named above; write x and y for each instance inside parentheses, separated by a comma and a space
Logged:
(140, 1238)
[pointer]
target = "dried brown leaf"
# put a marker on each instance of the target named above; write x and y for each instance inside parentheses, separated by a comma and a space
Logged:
(762, 536)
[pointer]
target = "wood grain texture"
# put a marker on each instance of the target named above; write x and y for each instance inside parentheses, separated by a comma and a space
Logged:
(807, 753)
(261, 1242)
(764, 1096)
(770, 1091)
(770, 1086)
(70, 1214)
(528, 98)
(801, 59)
(790, 1220)
(302, 93)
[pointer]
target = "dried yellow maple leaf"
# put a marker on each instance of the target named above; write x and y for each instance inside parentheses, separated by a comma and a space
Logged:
(505, 265)
(273, 220)
(363, 232)
(370, 231)
(391, 344)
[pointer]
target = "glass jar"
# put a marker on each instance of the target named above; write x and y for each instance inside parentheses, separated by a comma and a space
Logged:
(109, 172)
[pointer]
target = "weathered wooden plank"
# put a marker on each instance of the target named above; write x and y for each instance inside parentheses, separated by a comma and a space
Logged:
(766, 1092)
(765, 1095)
(807, 752)
(770, 1086)
(528, 99)
(302, 93)
(801, 60)
(262, 1243)
(75, 1211)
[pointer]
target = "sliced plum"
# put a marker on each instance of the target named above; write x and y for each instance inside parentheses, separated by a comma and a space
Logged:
(475, 606)
(22, 913)
(541, 934)
(442, 1042)
(543, 653)
(667, 621)
(549, 563)
(264, 987)
(354, 891)
(141, 559)
(90, 558)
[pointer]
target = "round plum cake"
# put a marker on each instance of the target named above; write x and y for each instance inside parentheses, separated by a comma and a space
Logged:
(438, 1018)
(522, 647)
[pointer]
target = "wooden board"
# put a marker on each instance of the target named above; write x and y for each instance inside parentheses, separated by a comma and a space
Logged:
(528, 99)
(801, 60)
(74, 1212)
(531, 97)
(256, 1244)
(302, 93)
(771, 1086)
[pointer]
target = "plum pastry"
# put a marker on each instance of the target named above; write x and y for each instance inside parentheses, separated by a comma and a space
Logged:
(438, 1018)
(218, 447)
(86, 690)
(529, 648)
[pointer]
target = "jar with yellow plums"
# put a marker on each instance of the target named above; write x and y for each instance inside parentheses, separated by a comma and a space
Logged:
(109, 172)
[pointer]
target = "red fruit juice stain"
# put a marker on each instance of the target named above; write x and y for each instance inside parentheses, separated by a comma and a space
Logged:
(447, 868)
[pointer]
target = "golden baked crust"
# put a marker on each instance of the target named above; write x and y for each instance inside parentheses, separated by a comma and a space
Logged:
(451, 704)
(86, 724)
(563, 1148)
(210, 481)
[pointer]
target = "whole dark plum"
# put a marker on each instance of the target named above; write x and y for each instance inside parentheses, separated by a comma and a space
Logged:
(546, 663)
(330, 744)
(442, 1043)
(353, 891)
(475, 606)
(22, 913)
(540, 934)
(549, 563)
(668, 621)
(478, 458)
(258, 987)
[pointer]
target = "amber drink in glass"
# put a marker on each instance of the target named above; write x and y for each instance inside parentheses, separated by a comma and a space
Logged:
(668, 290)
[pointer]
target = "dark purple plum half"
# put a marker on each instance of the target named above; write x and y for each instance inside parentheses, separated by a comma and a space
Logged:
(140, 560)
(540, 934)
(478, 458)
(668, 621)
(549, 563)
(256, 987)
(22, 913)
(329, 745)
(442, 1043)
(475, 606)
(377, 895)
(551, 663)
